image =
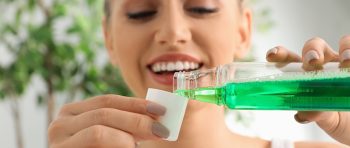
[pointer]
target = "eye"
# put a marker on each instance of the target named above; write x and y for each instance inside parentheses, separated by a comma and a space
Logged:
(202, 10)
(141, 15)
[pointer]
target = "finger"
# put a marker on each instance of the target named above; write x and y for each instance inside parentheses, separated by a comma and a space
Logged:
(312, 116)
(344, 51)
(57, 130)
(282, 54)
(100, 136)
(317, 52)
(136, 124)
(141, 106)
(333, 123)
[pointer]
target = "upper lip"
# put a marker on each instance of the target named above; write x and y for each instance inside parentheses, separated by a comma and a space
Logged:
(174, 57)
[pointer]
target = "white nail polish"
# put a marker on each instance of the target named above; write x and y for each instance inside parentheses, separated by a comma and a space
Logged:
(311, 55)
(272, 51)
(345, 55)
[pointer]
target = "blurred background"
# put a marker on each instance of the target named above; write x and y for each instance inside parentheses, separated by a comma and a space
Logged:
(51, 53)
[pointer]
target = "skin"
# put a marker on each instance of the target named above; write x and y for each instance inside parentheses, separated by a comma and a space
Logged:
(336, 124)
(118, 121)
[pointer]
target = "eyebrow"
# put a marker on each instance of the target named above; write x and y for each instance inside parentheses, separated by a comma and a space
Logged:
(125, 3)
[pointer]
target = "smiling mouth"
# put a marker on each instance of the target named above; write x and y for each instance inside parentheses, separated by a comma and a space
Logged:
(170, 67)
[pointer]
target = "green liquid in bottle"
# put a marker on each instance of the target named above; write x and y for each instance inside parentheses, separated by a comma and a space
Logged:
(303, 94)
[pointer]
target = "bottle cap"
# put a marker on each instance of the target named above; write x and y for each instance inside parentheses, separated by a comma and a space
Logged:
(176, 108)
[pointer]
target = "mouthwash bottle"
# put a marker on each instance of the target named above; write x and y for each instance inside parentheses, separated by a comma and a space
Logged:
(268, 86)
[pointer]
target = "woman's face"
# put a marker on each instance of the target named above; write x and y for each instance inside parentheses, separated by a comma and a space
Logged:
(149, 40)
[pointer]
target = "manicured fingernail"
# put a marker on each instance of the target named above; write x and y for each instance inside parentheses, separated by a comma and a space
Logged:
(160, 130)
(345, 55)
(311, 55)
(272, 51)
(296, 117)
(155, 109)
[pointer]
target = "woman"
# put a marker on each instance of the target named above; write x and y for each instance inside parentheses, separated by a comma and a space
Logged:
(148, 41)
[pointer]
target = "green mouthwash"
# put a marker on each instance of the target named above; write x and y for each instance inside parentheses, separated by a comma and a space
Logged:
(304, 91)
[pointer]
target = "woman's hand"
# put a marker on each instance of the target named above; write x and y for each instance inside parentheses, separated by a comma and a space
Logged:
(108, 121)
(315, 54)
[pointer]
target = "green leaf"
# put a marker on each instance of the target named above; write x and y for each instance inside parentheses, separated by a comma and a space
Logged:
(83, 23)
(92, 73)
(2, 95)
(11, 29)
(20, 87)
(60, 10)
(31, 4)
(2, 73)
(74, 29)
(62, 85)
(42, 34)
(40, 100)
(75, 70)
(43, 72)
(91, 2)
(18, 17)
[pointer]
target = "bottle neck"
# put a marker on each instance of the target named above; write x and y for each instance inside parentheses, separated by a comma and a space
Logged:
(209, 78)
(202, 85)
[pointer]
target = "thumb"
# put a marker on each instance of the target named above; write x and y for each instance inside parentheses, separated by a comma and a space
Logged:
(314, 116)
(335, 124)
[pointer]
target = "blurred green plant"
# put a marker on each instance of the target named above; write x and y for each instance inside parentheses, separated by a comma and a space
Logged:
(65, 56)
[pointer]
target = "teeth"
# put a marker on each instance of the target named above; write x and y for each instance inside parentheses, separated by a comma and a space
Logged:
(163, 67)
(156, 67)
(171, 66)
(194, 65)
(179, 66)
(174, 66)
(187, 65)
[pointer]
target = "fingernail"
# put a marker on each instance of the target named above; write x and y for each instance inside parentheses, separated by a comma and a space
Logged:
(296, 117)
(155, 109)
(345, 55)
(272, 51)
(160, 130)
(311, 55)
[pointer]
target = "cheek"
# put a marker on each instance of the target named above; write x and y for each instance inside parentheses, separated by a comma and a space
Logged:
(129, 68)
(128, 50)
(219, 43)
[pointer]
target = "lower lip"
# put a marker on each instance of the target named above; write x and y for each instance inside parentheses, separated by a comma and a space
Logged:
(164, 79)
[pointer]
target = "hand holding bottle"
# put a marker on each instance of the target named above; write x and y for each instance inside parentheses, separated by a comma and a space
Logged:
(316, 52)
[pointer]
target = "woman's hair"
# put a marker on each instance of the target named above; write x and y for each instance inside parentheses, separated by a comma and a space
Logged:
(107, 8)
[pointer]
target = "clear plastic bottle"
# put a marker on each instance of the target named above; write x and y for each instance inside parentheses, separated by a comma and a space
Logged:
(268, 86)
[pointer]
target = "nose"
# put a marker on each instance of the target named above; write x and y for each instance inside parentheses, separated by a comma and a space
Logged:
(173, 29)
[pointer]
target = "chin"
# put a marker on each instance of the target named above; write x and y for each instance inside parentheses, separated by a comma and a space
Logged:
(195, 106)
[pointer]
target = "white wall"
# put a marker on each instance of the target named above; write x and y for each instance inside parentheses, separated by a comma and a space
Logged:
(296, 21)
(33, 125)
